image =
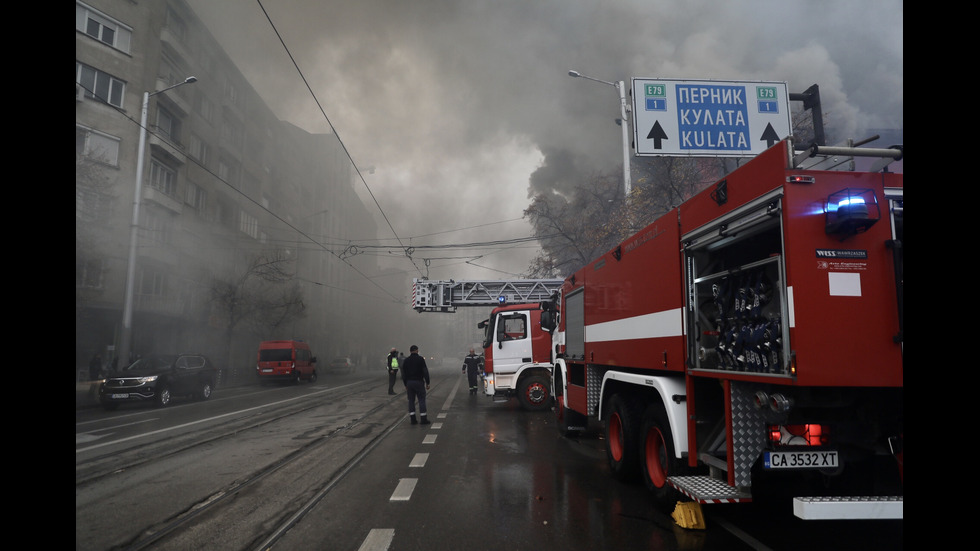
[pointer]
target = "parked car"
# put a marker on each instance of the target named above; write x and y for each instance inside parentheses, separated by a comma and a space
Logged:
(345, 365)
(158, 378)
(285, 361)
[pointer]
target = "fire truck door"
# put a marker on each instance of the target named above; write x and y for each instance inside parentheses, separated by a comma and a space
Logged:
(512, 341)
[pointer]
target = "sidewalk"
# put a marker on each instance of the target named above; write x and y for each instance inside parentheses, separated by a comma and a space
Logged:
(86, 394)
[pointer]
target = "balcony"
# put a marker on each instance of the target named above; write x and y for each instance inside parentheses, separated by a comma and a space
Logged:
(159, 145)
(153, 194)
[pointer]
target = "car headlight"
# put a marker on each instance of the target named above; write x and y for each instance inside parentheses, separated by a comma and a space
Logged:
(149, 379)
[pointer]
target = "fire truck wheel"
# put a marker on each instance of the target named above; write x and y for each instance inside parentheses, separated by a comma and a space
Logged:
(535, 394)
(566, 418)
(623, 438)
(659, 461)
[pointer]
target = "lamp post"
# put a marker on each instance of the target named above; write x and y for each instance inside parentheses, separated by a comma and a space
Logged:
(624, 110)
(125, 340)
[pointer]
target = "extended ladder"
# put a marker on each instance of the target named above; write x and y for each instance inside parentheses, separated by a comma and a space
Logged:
(447, 295)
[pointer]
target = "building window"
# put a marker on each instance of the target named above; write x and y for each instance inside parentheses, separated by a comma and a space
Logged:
(199, 150)
(102, 27)
(205, 108)
(197, 197)
(151, 282)
(232, 133)
(249, 225)
(167, 125)
(96, 146)
(99, 85)
(159, 226)
(163, 178)
(176, 23)
(89, 272)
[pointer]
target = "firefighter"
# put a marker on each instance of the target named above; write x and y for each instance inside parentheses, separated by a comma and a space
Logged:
(392, 365)
(471, 366)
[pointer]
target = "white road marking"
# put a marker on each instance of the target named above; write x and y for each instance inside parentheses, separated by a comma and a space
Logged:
(419, 460)
(403, 492)
(378, 539)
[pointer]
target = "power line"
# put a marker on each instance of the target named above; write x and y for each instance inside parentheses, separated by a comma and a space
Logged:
(325, 117)
(166, 139)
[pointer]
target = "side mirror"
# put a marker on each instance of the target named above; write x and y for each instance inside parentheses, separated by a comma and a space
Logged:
(547, 320)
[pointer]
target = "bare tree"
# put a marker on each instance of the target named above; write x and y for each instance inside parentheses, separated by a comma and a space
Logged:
(576, 228)
(94, 202)
(594, 218)
(260, 297)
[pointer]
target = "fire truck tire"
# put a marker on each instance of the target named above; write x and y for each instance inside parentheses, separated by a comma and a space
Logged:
(658, 460)
(565, 418)
(534, 393)
(623, 438)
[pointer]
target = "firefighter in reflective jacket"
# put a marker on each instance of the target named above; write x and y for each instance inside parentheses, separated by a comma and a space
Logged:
(392, 363)
(471, 365)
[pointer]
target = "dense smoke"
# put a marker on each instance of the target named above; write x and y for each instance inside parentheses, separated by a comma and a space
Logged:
(464, 108)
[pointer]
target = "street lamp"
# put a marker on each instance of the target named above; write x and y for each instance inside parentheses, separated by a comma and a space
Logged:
(624, 109)
(127, 322)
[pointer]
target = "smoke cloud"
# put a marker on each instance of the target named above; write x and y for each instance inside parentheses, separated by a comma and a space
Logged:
(464, 108)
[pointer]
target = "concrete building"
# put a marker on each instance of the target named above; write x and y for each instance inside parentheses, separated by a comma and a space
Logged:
(227, 190)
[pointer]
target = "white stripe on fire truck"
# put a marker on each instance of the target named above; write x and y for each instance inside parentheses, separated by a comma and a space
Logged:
(668, 323)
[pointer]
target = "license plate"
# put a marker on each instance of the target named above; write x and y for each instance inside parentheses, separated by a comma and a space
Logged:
(120, 396)
(801, 460)
(266, 371)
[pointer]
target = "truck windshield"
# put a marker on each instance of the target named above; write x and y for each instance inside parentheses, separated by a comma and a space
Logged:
(487, 332)
(275, 355)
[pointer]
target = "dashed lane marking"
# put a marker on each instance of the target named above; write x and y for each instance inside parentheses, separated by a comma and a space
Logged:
(403, 492)
(378, 539)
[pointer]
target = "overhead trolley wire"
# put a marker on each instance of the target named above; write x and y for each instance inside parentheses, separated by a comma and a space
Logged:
(342, 144)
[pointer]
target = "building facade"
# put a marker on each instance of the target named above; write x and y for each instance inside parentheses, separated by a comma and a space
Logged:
(243, 218)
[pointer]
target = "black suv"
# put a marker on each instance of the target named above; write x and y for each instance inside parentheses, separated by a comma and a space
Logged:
(158, 378)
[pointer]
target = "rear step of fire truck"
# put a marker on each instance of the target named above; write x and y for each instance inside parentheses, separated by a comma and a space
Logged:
(709, 489)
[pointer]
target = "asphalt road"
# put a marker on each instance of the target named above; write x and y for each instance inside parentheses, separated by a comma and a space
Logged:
(483, 475)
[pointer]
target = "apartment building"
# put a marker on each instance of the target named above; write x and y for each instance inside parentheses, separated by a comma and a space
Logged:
(226, 186)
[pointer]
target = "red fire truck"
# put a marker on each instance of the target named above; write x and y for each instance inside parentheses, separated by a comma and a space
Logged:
(750, 338)
(516, 348)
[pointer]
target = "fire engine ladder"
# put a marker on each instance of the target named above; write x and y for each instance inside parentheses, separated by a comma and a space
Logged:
(446, 295)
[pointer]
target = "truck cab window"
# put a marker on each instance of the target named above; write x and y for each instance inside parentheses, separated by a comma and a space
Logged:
(511, 327)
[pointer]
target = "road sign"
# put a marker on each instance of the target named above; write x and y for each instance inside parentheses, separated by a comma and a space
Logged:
(708, 118)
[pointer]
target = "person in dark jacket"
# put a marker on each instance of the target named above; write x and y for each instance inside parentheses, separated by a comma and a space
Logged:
(393, 364)
(415, 375)
(471, 366)
(95, 367)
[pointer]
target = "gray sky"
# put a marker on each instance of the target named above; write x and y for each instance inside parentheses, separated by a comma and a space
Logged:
(462, 105)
